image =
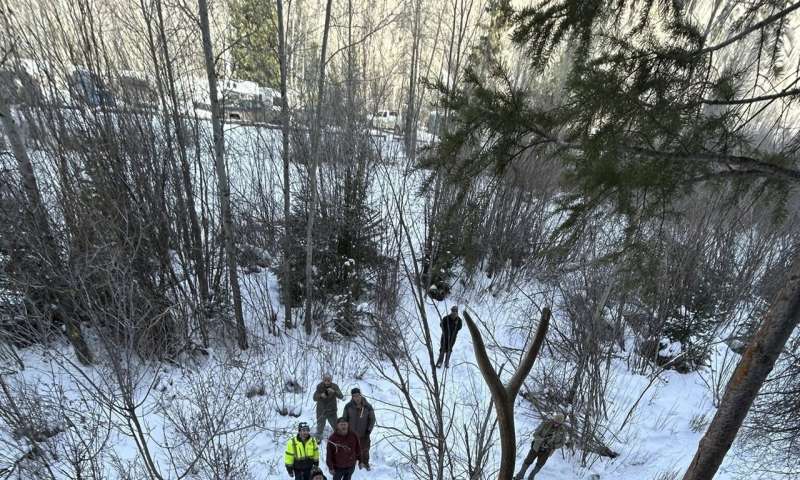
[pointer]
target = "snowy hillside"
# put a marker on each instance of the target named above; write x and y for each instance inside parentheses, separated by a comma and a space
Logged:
(224, 413)
(588, 211)
(653, 421)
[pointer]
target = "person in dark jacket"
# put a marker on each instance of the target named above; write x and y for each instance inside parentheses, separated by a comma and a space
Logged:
(361, 417)
(326, 395)
(343, 452)
(302, 454)
(450, 324)
(548, 437)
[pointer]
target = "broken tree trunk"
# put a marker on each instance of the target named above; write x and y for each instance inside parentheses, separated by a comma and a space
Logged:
(505, 395)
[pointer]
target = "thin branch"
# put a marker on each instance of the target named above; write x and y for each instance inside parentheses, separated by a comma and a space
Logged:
(530, 356)
(762, 98)
(485, 365)
(750, 30)
(385, 23)
(753, 164)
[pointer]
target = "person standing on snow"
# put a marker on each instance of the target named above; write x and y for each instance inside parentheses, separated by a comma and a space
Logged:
(302, 454)
(361, 417)
(326, 395)
(450, 324)
(343, 452)
(548, 437)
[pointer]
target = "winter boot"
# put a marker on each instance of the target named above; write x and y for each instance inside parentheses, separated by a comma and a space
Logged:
(534, 472)
(521, 474)
(447, 360)
(439, 362)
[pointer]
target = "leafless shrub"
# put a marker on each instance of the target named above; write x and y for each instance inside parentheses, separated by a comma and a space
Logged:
(667, 475)
(698, 423)
(209, 424)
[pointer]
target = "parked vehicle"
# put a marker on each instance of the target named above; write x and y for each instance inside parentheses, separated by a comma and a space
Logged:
(20, 87)
(88, 88)
(135, 90)
(387, 120)
(272, 105)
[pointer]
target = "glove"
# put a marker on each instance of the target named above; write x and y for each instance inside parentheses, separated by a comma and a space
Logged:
(330, 391)
(291, 474)
(360, 465)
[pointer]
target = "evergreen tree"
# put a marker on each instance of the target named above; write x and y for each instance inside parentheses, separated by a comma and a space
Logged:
(255, 42)
(659, 99)
(346, 250)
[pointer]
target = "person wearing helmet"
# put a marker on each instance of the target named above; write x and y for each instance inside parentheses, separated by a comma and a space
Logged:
(302, 453)
(450, 325)
(548, 437)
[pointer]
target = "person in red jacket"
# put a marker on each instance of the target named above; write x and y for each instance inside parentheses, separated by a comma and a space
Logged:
(344, 451)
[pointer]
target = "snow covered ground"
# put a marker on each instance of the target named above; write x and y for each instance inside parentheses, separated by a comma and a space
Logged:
(234, 412)
(657, 438)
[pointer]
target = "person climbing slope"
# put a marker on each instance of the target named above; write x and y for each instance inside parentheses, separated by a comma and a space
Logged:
(548, 437)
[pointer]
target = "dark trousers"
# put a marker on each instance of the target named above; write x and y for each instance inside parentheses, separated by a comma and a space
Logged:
(365, 444)
(302, 474)
(323, 417)
(344, 473)
(445, 349)
(539, 456)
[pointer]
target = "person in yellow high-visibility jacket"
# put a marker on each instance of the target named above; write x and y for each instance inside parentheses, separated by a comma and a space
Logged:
(302, 453)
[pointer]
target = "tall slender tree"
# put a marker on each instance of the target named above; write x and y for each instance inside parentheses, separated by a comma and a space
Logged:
(223, 182)
(285, 137)
(410, 127)
(177, 145)
(313, 164)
